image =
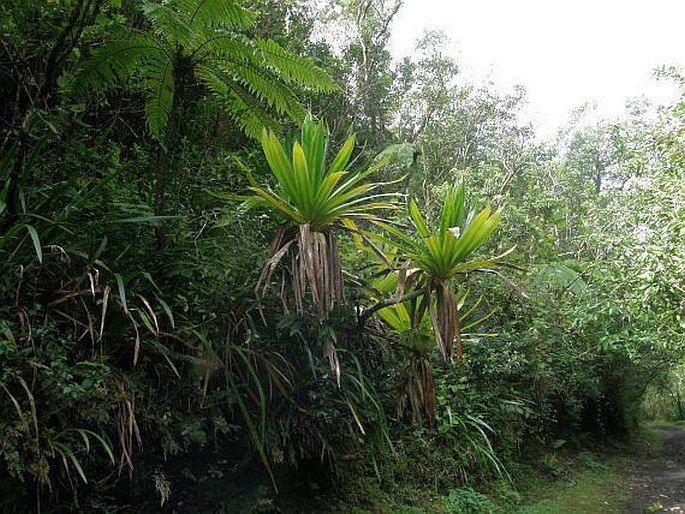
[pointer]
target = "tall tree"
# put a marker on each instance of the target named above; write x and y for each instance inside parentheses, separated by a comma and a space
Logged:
(456, 125)
(588, 146)
(366, 25)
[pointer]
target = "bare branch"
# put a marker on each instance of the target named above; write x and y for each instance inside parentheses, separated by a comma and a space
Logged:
(387, 303)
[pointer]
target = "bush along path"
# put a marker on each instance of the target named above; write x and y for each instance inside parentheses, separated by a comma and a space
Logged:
(647, 476)
(660, 481)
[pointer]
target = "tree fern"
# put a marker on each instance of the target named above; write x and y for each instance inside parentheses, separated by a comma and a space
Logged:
(203, 39)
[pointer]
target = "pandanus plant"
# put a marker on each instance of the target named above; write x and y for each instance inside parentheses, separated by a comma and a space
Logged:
(313, 198)
(416, 386)
(434, 256)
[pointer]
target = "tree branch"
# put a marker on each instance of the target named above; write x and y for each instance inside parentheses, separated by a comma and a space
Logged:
(387, 303)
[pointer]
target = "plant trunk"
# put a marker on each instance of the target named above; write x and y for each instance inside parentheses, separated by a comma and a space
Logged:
(168, 148)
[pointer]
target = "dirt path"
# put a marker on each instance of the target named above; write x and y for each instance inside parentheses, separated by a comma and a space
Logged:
(661, 478)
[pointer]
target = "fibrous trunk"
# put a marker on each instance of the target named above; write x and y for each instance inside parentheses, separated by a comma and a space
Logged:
(314, 266)
(417, 389)
(445, 320)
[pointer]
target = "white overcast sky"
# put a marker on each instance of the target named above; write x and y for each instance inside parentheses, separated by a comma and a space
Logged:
(564, 52)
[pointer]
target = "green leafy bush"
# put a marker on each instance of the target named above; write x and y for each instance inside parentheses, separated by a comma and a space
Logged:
(468, 501)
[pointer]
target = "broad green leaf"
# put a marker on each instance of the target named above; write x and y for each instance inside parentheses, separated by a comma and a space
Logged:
(343, 156)
(417, 219)
(36, 242)
(122, 291)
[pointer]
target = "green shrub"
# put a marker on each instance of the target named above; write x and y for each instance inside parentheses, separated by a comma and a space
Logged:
(468, 501)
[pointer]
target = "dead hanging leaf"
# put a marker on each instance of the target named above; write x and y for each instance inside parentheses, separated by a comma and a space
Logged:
(128, 430)
(90, 329)
(34, 411)
(136, 341)
(444, 316)
(150, 310)
(355, 416)
(20, 412)
(402, 279)
(429, 399)
(105, 300)
(417, 390)
(314, 267)
(271, 264)
(331, 354)
(92, 283)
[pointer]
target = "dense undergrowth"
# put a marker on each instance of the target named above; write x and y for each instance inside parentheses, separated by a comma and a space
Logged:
(406, 342)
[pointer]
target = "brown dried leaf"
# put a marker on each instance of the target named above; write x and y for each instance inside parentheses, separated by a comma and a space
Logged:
(330, 353)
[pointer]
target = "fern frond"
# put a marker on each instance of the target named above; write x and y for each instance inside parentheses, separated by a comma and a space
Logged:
(212, 79)
(115, 61)
(293, 68)
(252, 76)
(239, 104)
(249, 115)
(159, 80)
(267, 89)
(225, 45)
(169, 24)
(261, 85)
(214, 13)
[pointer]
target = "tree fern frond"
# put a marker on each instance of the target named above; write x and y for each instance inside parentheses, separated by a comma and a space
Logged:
(294, 68)
(169, 24)
(214, 13)
(115, 62)
(212, 79)
(240, 104)
(260, 84)
(159, 80)
(251, 117)
(252, 76)
(263, 86)
(225, 45)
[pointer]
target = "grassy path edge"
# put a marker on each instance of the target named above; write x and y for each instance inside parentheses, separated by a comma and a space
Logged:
(602, 485)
